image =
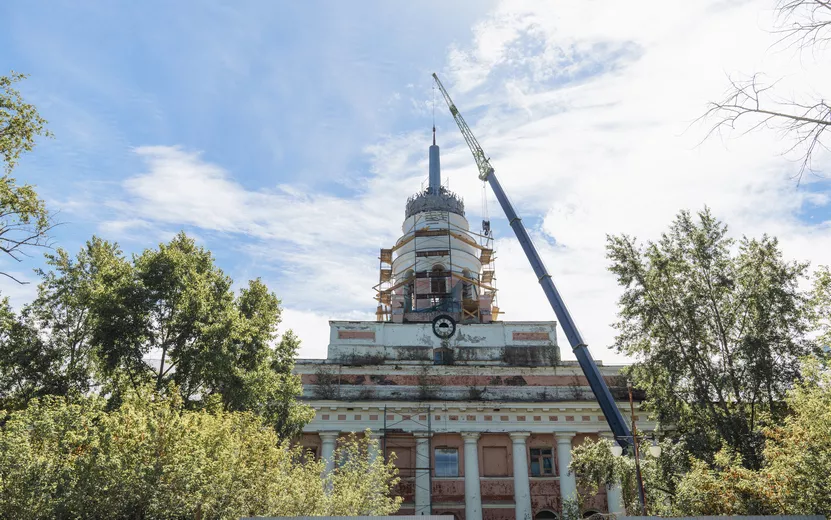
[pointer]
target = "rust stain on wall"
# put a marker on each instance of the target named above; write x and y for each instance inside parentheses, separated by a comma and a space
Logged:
(530, 336)
(356, 334)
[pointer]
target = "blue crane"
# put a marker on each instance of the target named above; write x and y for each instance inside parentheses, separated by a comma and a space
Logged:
(578, 346)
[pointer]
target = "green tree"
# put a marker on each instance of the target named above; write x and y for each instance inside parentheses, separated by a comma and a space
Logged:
(24, 220)
(100, 320)
(153, 458)
(596, 467)
(796, 474)
(821, 306)
(717, 327)
(26, 364)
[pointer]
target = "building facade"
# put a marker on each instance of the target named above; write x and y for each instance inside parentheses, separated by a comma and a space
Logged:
(480, 413)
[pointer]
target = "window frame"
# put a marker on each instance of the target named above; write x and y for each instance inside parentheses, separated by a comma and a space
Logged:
(539, 458)
(446, 449)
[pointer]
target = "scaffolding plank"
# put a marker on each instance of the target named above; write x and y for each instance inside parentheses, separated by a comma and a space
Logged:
(486, 256)
(487, 276)
(386, 256)
(384, 297)
(386, 275)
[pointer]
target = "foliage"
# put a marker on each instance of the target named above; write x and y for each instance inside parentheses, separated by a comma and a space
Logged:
(571, 509)
(794, 478)
(821, 306)
(717, 327)
(596, 467)
(152, 458)
(24, 220)
(100, 319)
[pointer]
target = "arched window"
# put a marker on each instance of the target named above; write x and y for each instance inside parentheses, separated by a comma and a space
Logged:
(546, 515)
(438, 279)
(591, 513)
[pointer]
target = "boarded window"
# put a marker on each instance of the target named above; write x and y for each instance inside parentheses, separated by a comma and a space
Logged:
(495, 461)
(403, 460)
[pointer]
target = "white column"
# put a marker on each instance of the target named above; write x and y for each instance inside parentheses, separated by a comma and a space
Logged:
(327, 449)
(373, 451)
(614, 493)
(522, 484)
(422, 473)
(473, 496)
(568, 482)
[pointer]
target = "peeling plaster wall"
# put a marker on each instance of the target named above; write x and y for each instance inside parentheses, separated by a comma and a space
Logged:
(519, 343)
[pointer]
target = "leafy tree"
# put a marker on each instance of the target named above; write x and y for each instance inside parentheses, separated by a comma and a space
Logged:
(24, 220)
(596, 467)
(796, 474)
(99, 317)
(153, 458)
(27, 364)
(717, 327)
(821, 306)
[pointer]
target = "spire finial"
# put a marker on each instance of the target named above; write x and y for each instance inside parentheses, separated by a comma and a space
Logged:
(435, 169)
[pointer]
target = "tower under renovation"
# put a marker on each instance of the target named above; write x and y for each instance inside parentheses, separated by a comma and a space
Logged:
(438, 266)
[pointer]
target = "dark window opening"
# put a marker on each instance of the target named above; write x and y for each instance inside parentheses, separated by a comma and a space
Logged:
(542, 462)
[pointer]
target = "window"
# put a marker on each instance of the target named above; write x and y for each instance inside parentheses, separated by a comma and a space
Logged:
(447, 462)
(541, 462)
(443, 356)
(495, 460)
(545, 515)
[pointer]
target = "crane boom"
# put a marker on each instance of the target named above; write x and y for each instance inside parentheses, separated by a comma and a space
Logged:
(578, 346)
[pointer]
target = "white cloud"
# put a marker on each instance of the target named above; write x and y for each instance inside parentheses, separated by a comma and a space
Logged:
(614, 152)
(585, 109)
(313, 328)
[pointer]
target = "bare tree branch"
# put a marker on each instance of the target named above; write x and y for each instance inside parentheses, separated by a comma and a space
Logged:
(801, 24)
(806, 124)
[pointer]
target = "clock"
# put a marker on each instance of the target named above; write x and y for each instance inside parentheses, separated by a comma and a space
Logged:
(444, 326)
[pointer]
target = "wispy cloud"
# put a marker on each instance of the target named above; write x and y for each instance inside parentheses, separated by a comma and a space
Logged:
(295, 166)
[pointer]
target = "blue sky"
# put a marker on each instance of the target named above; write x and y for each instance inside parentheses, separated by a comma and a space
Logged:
(285, 136)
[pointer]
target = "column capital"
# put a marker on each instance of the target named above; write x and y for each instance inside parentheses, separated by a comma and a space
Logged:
(470, 437)
(519, 436)
(329, 435)
(564, 437)
(422, 435)
(375, 435)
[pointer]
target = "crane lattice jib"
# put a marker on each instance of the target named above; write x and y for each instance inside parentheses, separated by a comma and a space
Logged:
(478, 154)
(595, 379)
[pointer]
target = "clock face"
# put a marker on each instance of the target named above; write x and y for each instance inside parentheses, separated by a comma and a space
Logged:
(444, 326)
